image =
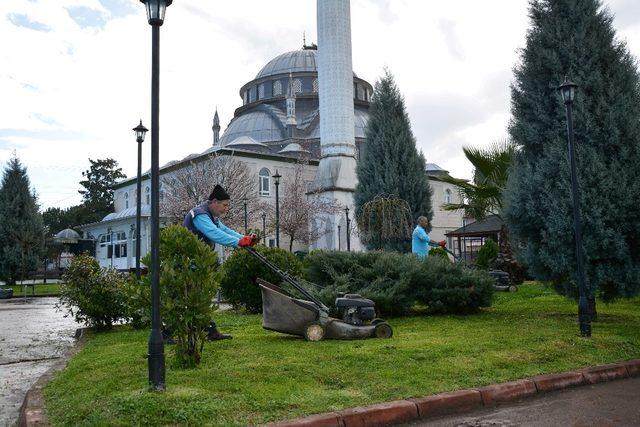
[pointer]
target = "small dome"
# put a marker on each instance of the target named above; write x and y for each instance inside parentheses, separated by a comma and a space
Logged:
(293, 148)
(259, 125)
(245, 140)
(67, 236)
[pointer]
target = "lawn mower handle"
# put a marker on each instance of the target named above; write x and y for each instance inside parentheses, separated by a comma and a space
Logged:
(286, 277)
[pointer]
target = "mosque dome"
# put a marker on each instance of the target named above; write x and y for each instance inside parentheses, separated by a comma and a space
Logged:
(296, 61)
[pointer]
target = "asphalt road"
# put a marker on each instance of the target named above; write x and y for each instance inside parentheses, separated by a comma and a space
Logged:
(32, 337)
(615, 403)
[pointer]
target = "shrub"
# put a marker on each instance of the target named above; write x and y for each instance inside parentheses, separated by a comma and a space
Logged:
(444, 287)
(439, 252)
(241, 271)
(138, 298)
(487, 254)
(92, 295)
(377, 275)
(188, 284)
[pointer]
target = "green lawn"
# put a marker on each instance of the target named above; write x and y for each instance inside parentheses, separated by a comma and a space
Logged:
(39, 288)
(262, 376)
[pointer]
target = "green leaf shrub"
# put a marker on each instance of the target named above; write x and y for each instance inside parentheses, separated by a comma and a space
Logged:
(138, 297)
(439, 252)
(189, 279)
(92, 295)
(241, 270)
(445, 287)
(487, 254)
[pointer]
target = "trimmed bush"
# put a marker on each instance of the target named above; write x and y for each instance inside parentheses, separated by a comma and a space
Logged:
(439, 252)
(92, 295)
(487, 254)
(241, 271)
(138, 297)
(445, 287)
(188, 283)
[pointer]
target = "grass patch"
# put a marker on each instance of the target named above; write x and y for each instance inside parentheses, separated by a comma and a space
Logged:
(262, 376)
(50, 289)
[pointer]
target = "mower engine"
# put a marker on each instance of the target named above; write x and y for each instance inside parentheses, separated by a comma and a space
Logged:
(355, 309)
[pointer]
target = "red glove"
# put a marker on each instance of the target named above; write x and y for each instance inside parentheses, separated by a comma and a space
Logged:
(254, 239)
(245, 241)
(442, 244)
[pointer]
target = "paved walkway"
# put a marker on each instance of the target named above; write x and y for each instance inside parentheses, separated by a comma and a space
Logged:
(32, 336)
(615, 403)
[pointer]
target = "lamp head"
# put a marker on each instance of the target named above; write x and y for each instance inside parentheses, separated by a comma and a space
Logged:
(156, 10)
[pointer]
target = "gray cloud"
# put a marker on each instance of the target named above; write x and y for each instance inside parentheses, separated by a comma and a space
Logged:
(448, 28)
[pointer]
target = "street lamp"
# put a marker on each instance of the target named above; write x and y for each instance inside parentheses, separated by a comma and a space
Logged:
(567, 90)
(244, 199)
(346, 211)
(264, 229)
(339, 237)
(155, 16)
(277, 177)
(140, 131)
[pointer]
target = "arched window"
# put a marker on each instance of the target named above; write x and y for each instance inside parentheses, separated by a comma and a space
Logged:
(297, 86)
(447, 196)
(314, 85)
(147, 196)
(361, 92)
(252, 94)
(246, 97)
(261, 91)
(277, 88)
(126, 200)
(264, 181)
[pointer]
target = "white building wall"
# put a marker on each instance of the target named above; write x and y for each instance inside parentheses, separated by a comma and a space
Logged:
(444, 221)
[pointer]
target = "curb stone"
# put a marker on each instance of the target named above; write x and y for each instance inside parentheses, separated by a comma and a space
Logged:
(402, 411)
(32, 411)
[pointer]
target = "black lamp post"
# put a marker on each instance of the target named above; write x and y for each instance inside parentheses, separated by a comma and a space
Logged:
(246, 228)
(264, 229)
(155, 16)
(339, 238)
(567, 90)
(277, 177)
(140, 134)
(346, 211)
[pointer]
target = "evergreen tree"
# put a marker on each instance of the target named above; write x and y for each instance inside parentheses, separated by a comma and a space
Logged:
(101, 176)
(21, 227)
(575, 38)
(389, 161)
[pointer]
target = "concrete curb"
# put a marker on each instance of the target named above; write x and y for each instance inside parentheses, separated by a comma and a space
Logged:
(32, 411)
(457, 402)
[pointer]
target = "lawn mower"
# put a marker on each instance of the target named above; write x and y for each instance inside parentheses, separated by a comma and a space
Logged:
(309, 317)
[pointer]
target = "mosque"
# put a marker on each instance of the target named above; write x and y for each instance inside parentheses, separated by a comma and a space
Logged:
(278, 123)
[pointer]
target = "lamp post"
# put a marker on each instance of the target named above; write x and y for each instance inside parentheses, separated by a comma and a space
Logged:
(567, 90)
(244, 200)
(155, 16)
(140, 131)
(346, 212)
(110, 233)
(277, 177)
(264, 229)
(339, 237)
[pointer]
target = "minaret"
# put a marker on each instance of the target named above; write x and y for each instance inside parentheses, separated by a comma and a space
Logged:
(291, 109)
(336, 178)
(216, 128)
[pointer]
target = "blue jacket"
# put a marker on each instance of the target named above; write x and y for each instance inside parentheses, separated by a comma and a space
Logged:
(211, 230)
(420, 242)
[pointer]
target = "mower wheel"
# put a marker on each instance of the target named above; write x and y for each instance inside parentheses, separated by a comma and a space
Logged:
(383, 330)
(376, 321)
(314, 332)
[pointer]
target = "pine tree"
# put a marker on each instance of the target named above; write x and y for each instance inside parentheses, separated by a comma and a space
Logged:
(21, 227)
(575, 38)
(390, 163)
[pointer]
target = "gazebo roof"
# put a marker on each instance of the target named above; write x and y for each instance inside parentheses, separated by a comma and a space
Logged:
(488, 226)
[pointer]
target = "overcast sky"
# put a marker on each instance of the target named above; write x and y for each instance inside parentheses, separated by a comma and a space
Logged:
(75, 74)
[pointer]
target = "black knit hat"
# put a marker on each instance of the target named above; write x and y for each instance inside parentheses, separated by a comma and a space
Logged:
(218, 193)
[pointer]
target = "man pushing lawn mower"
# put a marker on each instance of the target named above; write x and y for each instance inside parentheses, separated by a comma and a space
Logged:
(204, 222)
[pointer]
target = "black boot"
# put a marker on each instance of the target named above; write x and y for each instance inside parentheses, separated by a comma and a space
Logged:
(213, 334)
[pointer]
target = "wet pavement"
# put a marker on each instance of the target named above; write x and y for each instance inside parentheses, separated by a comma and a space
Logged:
(615, 403)
(33, 335)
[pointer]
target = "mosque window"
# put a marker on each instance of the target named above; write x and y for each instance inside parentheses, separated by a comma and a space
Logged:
(245, 97)
(361, 92)
(264, 181)
(147, 196)
(447, 196)
(252, 94)
(277, 88)
(314, 85)
(297, 86)
(126, 200)
(261, 91)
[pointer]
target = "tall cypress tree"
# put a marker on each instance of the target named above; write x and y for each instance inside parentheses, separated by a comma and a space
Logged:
(575, 38)
(21, 227)
(389, 160)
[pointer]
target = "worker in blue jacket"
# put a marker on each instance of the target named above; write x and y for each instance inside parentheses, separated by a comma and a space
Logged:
(421, 241)
(204, 222)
